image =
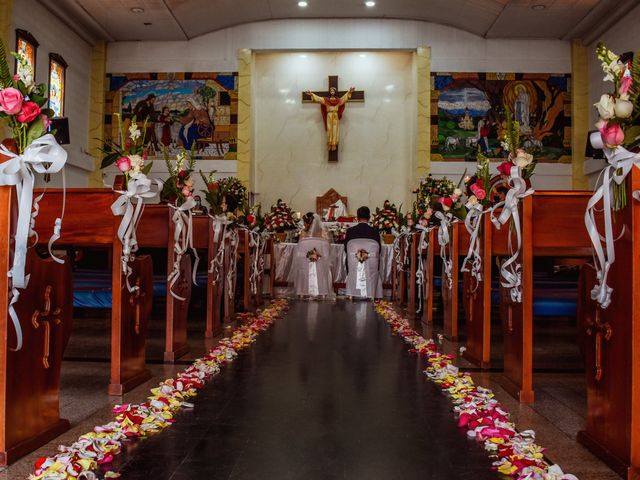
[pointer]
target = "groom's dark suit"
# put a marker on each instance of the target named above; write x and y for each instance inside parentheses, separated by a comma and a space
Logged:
(362, 230)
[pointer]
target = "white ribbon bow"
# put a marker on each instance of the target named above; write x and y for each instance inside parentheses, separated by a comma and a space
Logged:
(219, 226)
(182, 242)
(258, 243)
(139, 187)
(473, 222)
(510, 271)
(421, 275)
(44, 155)
(618, 158)
(443, 241)
(361, 279)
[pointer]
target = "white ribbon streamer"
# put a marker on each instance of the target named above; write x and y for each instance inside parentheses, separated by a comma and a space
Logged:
(219, 226)
(313, 279)
(182, 242)
(621, 159)
(45, 156)
(443, 241)
(139, 187)
(421, 275)
(361, 279)
(473, 222)
(234, 240)
(510, 271)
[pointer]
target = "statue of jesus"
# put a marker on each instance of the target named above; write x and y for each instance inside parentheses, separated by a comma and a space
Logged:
(332, 108)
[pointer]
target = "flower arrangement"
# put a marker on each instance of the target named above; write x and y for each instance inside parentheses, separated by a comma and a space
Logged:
(280, 219)
(511, 143)
(179, 186)
(313, 255)
(362, 255)
(619, 110)
(387, 218)
(234, 191)
(129, 155)
(227, 195)
(21, 104)
(476, 185)
(338, 231)
(433, 195)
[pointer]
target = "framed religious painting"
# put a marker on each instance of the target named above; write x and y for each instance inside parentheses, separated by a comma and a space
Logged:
(468, 114)
(195, 111)
(57, 84)
(26, 49)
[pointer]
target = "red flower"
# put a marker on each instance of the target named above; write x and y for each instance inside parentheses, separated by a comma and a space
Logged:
(30, 111)
(446, 201)
(182, 173)
(505, 168)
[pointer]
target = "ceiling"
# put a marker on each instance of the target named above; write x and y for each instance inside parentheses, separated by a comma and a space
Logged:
(113, 20)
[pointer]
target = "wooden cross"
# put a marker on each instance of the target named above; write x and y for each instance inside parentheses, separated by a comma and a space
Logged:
(601, 331)
(472, 294)
(510, 318)
(46, 318)
(357, 96)
(135, 300)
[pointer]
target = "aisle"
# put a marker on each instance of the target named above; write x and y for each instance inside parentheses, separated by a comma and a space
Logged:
(326, 393)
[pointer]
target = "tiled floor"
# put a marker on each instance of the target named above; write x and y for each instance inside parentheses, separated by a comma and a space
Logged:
(327, 392)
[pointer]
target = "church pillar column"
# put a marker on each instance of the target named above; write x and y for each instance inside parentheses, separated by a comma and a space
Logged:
(423, 126)
(6, 17)
(244, 158)
(579, 113)
(96, 109)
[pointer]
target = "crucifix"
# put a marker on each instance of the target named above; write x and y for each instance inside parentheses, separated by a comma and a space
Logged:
(332, 104)
(602, 331)
(135, 300)
(46, 318)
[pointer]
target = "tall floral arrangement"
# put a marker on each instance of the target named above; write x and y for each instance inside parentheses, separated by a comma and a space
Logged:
(179, 186)
(225, 195)
(127, 152)
(280, 218)
(517, 154)
(477, 185)
(619, 110)
(234, 191)
(22, 104)
(387, 218)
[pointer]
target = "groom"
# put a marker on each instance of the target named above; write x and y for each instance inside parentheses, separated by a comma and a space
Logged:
(362, 229)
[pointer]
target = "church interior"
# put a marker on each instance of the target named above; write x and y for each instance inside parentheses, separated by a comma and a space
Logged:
(319, 239)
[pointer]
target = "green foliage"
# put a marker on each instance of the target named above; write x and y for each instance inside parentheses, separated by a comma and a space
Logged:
(5, 72)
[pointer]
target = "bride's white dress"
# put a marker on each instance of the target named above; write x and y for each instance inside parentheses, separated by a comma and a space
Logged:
(313, 278)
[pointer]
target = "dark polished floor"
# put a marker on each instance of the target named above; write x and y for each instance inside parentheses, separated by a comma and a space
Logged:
(325, 393)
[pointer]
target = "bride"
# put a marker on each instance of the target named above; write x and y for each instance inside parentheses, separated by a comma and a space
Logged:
(311, 263)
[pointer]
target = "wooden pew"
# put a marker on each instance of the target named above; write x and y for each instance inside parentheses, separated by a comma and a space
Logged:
(30, 377)
(552, 225)
(89, 222)
(611, 345)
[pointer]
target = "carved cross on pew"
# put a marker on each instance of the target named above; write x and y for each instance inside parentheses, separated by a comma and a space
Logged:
(135, 300)
(356, 96)
(472, 294)
(46, 318)
(510, 318)
(601, 331)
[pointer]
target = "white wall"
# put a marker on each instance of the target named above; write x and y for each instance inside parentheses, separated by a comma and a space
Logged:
(451, 50)
(54, 36)
(376, 136)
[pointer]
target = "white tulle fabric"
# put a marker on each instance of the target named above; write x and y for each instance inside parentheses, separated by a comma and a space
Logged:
(369, 269)
(312, 278)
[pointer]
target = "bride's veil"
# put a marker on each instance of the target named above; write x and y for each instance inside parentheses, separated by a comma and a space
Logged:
(317, 230)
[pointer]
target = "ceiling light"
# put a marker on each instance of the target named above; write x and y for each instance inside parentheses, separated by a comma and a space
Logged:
(302, 4)
(370, 3)
(538, 6)
(363, 55)
(137, 10)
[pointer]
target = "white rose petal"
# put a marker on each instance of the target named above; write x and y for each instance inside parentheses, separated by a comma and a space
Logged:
(606, 106)
(623, 108)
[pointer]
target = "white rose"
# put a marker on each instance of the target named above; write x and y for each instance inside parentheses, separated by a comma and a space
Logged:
(522, 158)
(472, 201)
(136, 161)
(606, 106)
(623, 108)
(457, 192)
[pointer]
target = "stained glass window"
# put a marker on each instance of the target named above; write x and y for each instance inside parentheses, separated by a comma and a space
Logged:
(26, 47)
(57, 71)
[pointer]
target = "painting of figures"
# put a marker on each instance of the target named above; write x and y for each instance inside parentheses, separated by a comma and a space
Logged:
(196, 111)
(468, 114)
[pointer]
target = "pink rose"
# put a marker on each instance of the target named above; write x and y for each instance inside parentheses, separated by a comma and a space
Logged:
(478, 191)
(186, 192)
(11, 100)
(625, 84)
(123, 164)
(505, 168)
(46, 121)
(612, 135)
(30, 111)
